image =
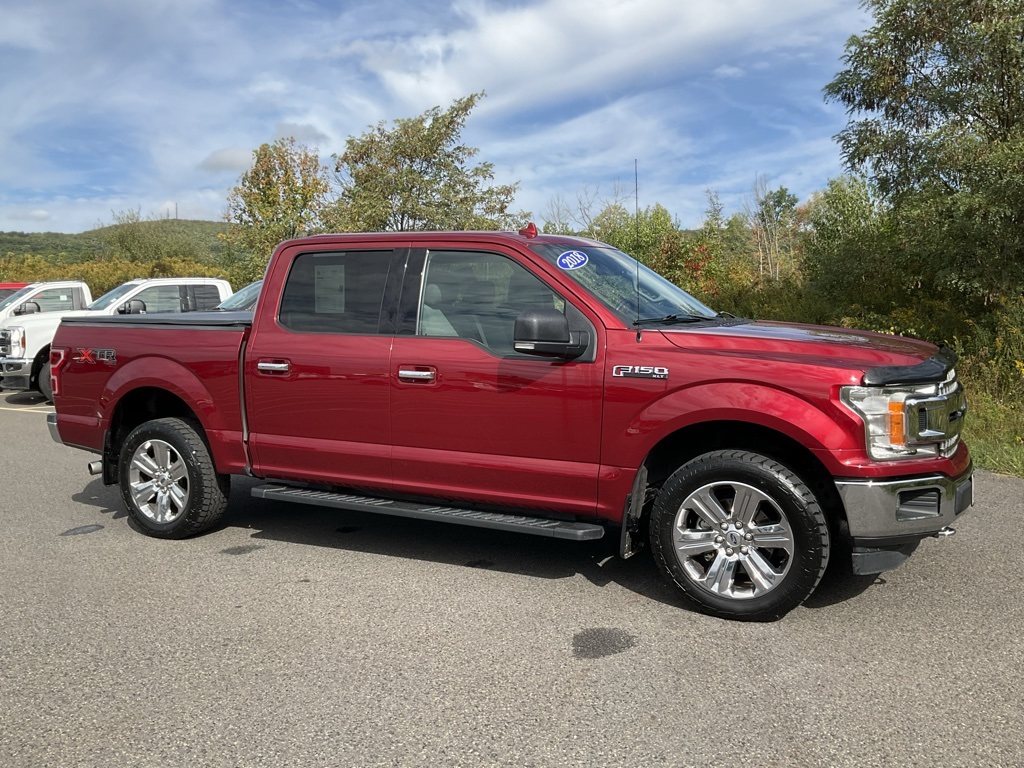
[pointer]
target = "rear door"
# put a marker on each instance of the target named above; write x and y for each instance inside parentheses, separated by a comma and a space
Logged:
(317, 370)
(473, 419)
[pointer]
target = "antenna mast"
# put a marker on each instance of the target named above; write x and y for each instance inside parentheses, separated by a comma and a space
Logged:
(636, 242)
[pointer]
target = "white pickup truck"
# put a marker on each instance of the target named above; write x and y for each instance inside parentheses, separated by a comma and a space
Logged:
(25, 343)
(55, 296)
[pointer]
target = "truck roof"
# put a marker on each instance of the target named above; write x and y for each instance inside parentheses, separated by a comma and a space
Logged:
(526, 236)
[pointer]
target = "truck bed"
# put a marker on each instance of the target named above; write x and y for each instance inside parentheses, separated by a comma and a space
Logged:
(122, 363)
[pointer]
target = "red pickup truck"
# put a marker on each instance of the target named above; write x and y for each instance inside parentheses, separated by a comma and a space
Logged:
(534, 383)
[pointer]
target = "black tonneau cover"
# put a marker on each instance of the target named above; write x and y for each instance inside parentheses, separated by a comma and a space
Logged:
(194, 320)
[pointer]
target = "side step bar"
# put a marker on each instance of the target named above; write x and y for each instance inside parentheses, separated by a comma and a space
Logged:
(538, 526)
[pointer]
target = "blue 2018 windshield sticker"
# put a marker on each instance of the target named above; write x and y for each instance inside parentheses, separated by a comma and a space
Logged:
(573, 260)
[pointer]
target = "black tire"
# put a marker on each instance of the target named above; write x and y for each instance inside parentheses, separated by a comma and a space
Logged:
(168, 481)
(43, 382)
(740, 535)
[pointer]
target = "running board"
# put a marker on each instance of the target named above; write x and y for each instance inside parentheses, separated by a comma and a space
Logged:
(538, 526)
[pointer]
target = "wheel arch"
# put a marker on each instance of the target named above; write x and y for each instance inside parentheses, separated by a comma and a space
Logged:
(42, 358)
(688, 442)
(137, 407)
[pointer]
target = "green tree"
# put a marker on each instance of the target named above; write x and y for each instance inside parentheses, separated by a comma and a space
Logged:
(417, 175)
(935, 93)
(282, 196)
(773, 225)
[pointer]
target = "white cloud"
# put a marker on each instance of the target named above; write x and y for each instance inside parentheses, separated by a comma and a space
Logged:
(728, 71)
(136, 105)
(230, 159)
(35, 214)
(304, 133)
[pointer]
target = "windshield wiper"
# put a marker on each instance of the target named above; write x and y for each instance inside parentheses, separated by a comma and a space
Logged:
(671, 320)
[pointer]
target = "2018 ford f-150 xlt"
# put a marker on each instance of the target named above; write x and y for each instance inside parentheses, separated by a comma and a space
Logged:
(534, 383)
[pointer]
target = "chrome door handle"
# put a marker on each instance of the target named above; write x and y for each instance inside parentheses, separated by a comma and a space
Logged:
(266, 367)
(404, 373)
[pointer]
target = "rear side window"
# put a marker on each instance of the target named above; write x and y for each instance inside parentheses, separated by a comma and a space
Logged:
(206, 297)
(335, 292)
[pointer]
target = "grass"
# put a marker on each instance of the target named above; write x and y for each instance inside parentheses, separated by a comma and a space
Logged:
(995, 432)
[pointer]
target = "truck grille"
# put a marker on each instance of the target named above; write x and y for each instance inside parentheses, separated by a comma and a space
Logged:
(939, 419)
(5, 343)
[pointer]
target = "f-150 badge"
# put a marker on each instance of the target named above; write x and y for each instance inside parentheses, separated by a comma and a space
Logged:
(640, 372)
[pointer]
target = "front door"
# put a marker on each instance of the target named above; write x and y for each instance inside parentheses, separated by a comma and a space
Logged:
(471, 418)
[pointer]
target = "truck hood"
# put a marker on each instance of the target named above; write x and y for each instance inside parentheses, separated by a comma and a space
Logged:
(44, 318)
(810, 344)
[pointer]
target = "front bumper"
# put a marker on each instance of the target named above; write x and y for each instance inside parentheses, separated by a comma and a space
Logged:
(17, 373)
(888, 518)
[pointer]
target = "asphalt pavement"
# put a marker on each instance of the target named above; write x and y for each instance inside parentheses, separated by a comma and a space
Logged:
(297, 636)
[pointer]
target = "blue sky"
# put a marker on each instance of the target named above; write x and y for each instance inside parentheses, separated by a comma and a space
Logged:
(115, 105)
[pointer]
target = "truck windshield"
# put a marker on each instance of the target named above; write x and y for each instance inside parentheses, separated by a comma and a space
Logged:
(17, 298)
(112, 296)
(244, 299)
(611, 276)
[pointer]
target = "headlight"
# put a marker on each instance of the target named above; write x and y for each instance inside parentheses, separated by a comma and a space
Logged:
(16, 339)
(909, 422)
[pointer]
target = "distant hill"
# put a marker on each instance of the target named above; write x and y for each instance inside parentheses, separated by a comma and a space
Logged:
(200, 238)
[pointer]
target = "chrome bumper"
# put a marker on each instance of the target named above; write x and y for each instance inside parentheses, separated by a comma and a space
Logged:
(16, 373)
(895, 511)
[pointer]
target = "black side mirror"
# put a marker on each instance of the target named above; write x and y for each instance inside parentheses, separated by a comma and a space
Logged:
(28, 308)
(545, 332)
(133, 307)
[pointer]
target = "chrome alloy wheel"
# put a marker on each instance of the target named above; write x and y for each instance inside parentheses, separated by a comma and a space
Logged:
(733, 540)
(158, 479)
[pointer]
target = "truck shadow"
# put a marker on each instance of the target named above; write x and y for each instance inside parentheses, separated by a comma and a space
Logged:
(106, 498)
(513, 553)
(24, 398)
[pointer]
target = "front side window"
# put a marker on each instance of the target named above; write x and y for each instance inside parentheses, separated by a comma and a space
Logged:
(335, 292)
(160, 298)
(477, 296)
(55, 299)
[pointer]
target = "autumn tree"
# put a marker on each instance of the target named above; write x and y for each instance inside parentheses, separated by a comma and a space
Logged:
(282, 196)
(417, 175)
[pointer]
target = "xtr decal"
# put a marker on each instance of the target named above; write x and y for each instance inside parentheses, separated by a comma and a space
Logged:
(93, 356)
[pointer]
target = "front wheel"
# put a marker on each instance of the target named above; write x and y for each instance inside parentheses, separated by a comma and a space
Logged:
(168, 480)
(741, 535)
(43, 382)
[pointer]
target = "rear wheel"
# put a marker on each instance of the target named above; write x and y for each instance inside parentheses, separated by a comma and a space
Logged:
(741, 535)
(168, 481)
